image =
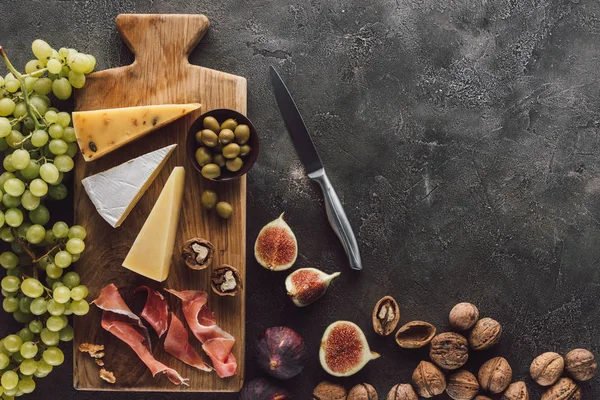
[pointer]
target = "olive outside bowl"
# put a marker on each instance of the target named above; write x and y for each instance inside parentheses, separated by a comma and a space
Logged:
(221, 114)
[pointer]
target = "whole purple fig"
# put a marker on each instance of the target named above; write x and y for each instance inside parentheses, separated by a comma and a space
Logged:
(280, 352)
(261, 389)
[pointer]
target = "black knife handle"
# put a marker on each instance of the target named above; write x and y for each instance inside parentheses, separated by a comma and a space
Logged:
(338, 219)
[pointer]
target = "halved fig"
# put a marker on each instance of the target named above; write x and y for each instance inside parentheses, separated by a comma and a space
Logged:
(276, 247)
(344, 349)
(307, 285)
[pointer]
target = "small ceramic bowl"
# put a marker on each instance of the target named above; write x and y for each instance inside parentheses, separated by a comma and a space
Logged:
(221, 114)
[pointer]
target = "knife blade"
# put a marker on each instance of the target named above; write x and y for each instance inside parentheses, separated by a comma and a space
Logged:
(314, 167)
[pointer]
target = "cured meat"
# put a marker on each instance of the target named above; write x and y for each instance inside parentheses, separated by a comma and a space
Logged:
(178, 345)
(156, 311)
(215, 341)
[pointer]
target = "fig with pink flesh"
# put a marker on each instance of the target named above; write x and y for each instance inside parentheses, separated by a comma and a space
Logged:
(261, 389)
(281, 352)
(344, 349)
(307, 285)
(276, 247)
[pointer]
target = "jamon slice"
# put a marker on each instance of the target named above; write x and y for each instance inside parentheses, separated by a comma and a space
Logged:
(215, 341)
(156, 311)
(177, 344)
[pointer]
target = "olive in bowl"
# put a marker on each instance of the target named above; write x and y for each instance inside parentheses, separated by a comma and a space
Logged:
(222, 144)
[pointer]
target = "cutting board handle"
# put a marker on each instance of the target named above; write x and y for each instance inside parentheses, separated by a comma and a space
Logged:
(172, 36)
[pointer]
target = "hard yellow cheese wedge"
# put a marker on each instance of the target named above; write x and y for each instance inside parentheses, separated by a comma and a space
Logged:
(152, 250)
(101, 131)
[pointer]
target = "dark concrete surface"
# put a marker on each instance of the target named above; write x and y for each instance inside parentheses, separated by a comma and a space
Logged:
(461, 135)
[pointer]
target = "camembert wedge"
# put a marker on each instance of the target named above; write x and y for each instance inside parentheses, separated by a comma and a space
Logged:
(116, 191)
(101, 131)
(152, 250)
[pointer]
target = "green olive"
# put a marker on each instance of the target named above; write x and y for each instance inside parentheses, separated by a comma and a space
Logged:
(226, 136)
(242, 133)
(234, 165)
(218, 149)
(231, 150)
(211, 171)
(229, 124)
(245, 150)
(209, 199)
(219, 160)
(224, 209)
(209, 138)
(212, 124)
(199, 137)
(203, 156)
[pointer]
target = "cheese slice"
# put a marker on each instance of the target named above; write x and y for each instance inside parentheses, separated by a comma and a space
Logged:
(152, 250)
(116, 191)
(101, 131)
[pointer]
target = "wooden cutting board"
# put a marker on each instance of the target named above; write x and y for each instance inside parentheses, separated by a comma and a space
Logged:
(160, 74)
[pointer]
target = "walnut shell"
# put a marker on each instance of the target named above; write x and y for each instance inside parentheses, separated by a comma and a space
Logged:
(402, 391)
(480, 397)
(495, 375)
(581, 364)
(462, 385)
(564, 389)
(547, 368)
(485, 334)
(329, 391)
(429, 380)
(463, 316)
(415, 334)
(386, 315)
(198, 253)
(363, 391)
(225, 281)
(449, 350)
(516, 391)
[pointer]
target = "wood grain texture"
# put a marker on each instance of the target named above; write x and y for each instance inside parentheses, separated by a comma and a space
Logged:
(160, 74)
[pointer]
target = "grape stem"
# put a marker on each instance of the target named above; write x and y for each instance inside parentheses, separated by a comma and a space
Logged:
(37, 260)
(23, 244)
(20, 78)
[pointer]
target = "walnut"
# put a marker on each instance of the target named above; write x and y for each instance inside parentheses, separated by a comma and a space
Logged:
(197, 253)
(564, 389)
(463, 316)
(226, 281)
(362, 391)
(329, 391)
(485, 334)
(402, 392)
(94, 350)
(107, 376)
(516, 391)
(429, 380)
(581, 364)
(495, 375)
(449, 350)
(415, 334)
(462, 385)
(386, 315)
(480, 397)
(547, 368)
(99, 362)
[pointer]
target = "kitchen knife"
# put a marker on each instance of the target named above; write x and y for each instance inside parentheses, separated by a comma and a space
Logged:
(314, 167)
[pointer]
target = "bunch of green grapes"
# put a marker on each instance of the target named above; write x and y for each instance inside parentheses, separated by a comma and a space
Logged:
(38, 143)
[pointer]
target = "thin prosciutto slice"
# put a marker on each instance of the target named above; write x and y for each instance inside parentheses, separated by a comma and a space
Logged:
(215, 341)
(156, 311)
(178, 345)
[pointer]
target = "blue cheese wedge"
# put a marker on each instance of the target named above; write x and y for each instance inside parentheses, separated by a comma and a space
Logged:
(116, 191)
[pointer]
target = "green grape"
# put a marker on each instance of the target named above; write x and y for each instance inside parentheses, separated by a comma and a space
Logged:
(10, 283)
(36, 325)
(7, 106)
(92, 64)
(1, 217)
(4, 177)
(60, 230)
(43, 366)
(54, 66)
(64, 72)
(29, 349)
(53, 271)
(22, 230)
(32, 68)
(41, 49)
(9, 260)
(61, 294)
(79, 62)
(22, 317)
(63, 259)
(5, 126)
(68, 310)
(56, 131)
(12, 343)
(39, 138)
(39, 306)
(12, 85)
(6, 235)
(7, 163)
(75, 246)
(77, 232)
(38, 187)
(51, 116)
(57, 146)
(20, 159)
(43, 263)
(79, 292)
(55, 308)
(31, 171)
(80, 307)
(29, 201)
(44, 98)
(24, 303)
(64, 119)
(72, 149)
(17, 248)
(66, 334)
(14, 187)
(4, 361)
(54, 323)
(32, 287)
(69, 134)
(26, 335)
(29, 81)
(20, 110)
(28, 366)
(61, 176)
(35, 234)
(26, 385)
(72, 280)
(4, 145)
(64, 163)
(10, 305)
(53, 356)
(77, 80)
(49, 338)
(41, 216)
(61, 88)
(43, 86)
(10, 201)
(57, 284)
(10, 379)
(64, 318)
(14, 139)
(50, 239)
(17, 358)
(13, 217)
(49, 173)
(39, 104)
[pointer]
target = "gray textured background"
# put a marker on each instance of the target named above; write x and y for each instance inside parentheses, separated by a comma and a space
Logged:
(462, 137)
